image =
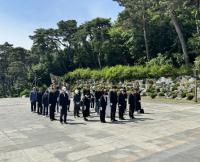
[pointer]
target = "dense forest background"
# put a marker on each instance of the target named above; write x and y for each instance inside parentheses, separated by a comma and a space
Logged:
(148, 35)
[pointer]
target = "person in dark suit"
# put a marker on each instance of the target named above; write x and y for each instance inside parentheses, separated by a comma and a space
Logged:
(113, 103)
(45, 102)
(52, 102)
(77, 103)
(97, 100)
(121, 104)
(69, 102)
(86, 104)
(57, 93)
(126, 99)
(63, 100)
(132, 104)
(33, 99)
(138, 100)
(92, 99)
(103, 104)
(39, 102)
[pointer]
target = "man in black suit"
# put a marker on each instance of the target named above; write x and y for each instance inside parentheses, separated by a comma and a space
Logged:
(52, 103)
(113, 103)
(77, 103)
(97, 100)
(121, 104)
(86, 104)
(39, 102)
(57, 93)
(132, 104)
(138, 100)
(64, 99)
(103, 103)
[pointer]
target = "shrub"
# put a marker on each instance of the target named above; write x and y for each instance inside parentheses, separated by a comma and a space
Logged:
(161, 94)
(190, 96)
(153, 95)
(174, 88)
(119, 72)
(183, 95)
(174, 95)
(25, 93)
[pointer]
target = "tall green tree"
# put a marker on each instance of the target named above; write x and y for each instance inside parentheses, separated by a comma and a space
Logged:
(138, 12)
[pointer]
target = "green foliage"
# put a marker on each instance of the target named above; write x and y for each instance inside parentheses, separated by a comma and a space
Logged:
(143, 43)
(161, 94)
(183, 95)
(25, 93)
(118, 73)
(153, 95)
(190, 96)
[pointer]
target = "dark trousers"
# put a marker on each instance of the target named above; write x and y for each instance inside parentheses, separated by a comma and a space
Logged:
(45, 110)
(113, 112)
(121, 111)
(39, 108)
(57, 107)
(63, 113)
(97, 106)
(138, 106)
(92, 103)
(33, 106)
(86, 111)
(131, 111)
(102, 114)
(76, 109)
(68, 106)
(52, 112)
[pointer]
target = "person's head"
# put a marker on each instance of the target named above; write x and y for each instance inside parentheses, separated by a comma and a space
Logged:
(53, 87)
(76, 91)
(34, 88)
(64, 89)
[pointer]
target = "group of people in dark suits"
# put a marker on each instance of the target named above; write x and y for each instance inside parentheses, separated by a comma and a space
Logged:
(57, 99)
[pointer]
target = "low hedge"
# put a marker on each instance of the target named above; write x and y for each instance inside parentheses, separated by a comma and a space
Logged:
(119, 73)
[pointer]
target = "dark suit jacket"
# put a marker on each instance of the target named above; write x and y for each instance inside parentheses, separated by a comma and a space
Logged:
(121, 99)
(52, 98)
(113, 97)
(103, 102)
(39, 97)
(132, 100)
(64, 99)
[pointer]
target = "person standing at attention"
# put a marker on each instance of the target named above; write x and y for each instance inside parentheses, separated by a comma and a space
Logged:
(64, 99)
(33, 99)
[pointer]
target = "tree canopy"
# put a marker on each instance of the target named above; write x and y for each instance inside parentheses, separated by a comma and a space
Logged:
(144, 30)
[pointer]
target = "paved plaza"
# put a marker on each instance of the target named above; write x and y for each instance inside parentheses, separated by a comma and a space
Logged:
(168, 132)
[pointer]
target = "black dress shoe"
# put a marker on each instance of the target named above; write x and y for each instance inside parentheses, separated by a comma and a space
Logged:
(65, 122)
(85, 119)
(115, 120)
(61, 122)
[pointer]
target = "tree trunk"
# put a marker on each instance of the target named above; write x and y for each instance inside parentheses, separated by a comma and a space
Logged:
(145, 36)
(99, 60)
(180, 35)
(197, 15)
